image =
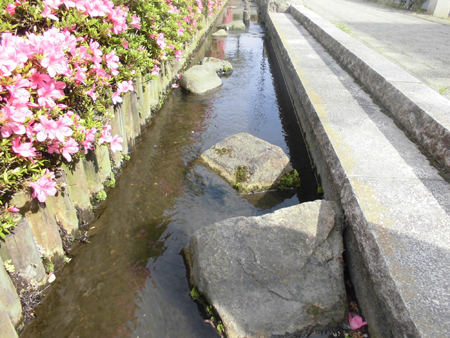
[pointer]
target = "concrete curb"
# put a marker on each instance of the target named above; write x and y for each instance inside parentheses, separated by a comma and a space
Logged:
(398, 234)
(424, 113)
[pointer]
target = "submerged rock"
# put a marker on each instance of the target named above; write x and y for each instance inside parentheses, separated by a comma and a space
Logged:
(219, 66)
(247, 162)
(276, 274)
(200, 79)
(221, 33)
(237, 25)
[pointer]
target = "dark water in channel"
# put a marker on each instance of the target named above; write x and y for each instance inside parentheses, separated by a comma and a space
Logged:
(130, 280)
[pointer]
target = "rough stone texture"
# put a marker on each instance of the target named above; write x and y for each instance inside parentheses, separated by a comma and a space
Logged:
(237, 25)
(79, 191)
(8, 296)
(424, 113)
(63, 208)
(221, 33)
(97, 167)
(6, 327)
(21, 249)
(42, 224)
(275, 6)
(396, 205)
(200, 79)
(274, 274)
(265, 163)
(132, 120)
(219, 66)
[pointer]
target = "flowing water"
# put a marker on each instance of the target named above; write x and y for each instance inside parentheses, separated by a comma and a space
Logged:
(130, 279)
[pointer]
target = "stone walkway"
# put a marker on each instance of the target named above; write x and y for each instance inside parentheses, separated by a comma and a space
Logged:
(418, 43)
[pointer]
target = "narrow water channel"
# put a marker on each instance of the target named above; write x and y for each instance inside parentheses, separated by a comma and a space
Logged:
(130, 279)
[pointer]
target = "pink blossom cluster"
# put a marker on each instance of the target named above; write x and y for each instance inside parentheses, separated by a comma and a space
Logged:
(93, 8)
(32, 114)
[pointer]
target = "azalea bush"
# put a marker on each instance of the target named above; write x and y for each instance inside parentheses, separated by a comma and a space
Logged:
(62, 64)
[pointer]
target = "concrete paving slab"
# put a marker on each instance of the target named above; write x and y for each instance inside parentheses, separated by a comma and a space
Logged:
(399, 231)
(418, 43)
(427, 120)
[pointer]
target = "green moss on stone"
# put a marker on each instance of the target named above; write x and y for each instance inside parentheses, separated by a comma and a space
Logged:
(288, 180)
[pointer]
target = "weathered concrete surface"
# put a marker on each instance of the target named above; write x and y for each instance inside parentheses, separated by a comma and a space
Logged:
(219, 66)
(97, 168)
(6, 327)
(8, 296)
(20, 248)
(397, 206)
(79, 191)
(439, 8)
(264, 163)
(416, 42)
(199, 79)
(423, 112)
(62, 207)
(42, 224)
(273, 274)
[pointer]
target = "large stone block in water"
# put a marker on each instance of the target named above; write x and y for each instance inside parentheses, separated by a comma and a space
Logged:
(200, 79)
(219, 66)
(247, 162)
(273, 274)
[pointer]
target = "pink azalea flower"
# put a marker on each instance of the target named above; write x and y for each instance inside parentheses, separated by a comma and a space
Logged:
(180, 31)
(355, 322)
(44, 186)
(116, 97)
(91, 93)
(13, 209)
(48, 13)
(175, 85)
(160, 41)
(89, 137)
(37, 79)
(24, 149)
(135, 21)
(125, 44)
(69, 147)
(125, 86)
(62, 128)
(10, 9)
(105, 135)
(116, 143)
(112, 60)
(80, 75)
(179, 55)
(155, 70)
(45, 129)
(48, 92)
(12, 127)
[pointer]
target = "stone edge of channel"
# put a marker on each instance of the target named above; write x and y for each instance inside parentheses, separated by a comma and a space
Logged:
(424, 113)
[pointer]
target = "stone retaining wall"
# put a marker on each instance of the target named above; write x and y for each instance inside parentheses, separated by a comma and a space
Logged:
(38, 233)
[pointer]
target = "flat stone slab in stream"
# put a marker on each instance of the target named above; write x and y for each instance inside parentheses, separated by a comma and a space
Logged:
(237, 25)
(247, 162)
(275, 274)
(221, 33)
(203, 78)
